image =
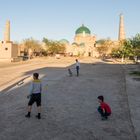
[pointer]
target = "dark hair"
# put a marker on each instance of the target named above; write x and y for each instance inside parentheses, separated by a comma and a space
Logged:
(36, 75)
(101, 98)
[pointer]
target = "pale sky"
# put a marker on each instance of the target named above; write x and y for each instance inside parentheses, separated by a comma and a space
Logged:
(58, 19)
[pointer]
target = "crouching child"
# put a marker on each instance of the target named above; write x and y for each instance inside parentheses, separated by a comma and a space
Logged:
(104, 109)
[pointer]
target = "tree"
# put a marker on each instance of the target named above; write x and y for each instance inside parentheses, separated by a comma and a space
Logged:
(135, 45)
(54, 47)
(123, 51)
(103, 46)
(32, 45)
(128, 48)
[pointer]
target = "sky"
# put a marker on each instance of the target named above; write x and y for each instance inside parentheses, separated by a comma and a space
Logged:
(59, 19)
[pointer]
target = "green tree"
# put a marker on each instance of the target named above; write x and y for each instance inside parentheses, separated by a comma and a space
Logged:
(124, 50)
(54, 47)
(135, 45)
(128, 48)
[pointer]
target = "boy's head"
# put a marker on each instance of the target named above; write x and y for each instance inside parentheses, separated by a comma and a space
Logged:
(35, 75)
(101, 98)
(76, 60)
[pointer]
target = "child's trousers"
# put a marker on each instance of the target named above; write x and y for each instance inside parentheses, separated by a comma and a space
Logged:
(103, 114)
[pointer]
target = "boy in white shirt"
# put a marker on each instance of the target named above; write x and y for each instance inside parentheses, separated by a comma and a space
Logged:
(77, 67)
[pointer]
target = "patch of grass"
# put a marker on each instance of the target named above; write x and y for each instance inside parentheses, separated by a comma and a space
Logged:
(137, 73)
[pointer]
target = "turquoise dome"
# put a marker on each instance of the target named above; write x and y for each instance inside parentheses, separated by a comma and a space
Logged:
(83, 29)
(64, 41)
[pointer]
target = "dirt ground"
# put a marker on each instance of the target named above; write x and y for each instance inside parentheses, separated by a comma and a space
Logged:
(69, 104)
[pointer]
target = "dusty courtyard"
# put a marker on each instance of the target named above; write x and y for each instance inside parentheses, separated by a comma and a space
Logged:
(69, 104)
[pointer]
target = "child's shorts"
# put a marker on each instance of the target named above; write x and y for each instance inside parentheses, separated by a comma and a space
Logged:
(35, 98)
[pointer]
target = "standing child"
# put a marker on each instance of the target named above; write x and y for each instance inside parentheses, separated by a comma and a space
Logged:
(104, 109)
(77, 67)
(35, 95)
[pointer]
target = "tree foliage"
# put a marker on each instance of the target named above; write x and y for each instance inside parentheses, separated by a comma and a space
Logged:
(32, 44)
(135, 44)
(128, 48)
(54, 47)
(103, 46)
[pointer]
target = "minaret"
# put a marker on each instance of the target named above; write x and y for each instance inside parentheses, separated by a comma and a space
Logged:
(121, 28)
(7, 32)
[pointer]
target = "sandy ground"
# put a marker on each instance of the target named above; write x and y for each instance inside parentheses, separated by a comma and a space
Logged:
(13, 72)
(69, 104)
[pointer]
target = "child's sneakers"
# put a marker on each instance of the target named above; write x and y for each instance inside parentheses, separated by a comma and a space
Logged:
(38, 116)
(27, 116)
(104, 118)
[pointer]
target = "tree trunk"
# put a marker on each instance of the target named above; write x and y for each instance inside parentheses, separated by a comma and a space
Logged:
(122, 59)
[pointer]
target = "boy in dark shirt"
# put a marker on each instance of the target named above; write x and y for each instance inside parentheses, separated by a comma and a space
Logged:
(104, 109)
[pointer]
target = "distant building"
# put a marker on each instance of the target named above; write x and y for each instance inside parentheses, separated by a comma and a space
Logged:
(121, 35)
(8, 50)
(84, 43)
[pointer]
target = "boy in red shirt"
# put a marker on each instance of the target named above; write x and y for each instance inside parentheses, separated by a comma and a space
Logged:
(104, 109)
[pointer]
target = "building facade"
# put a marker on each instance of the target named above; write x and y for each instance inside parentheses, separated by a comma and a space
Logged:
(8, 50)
(83, 43)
